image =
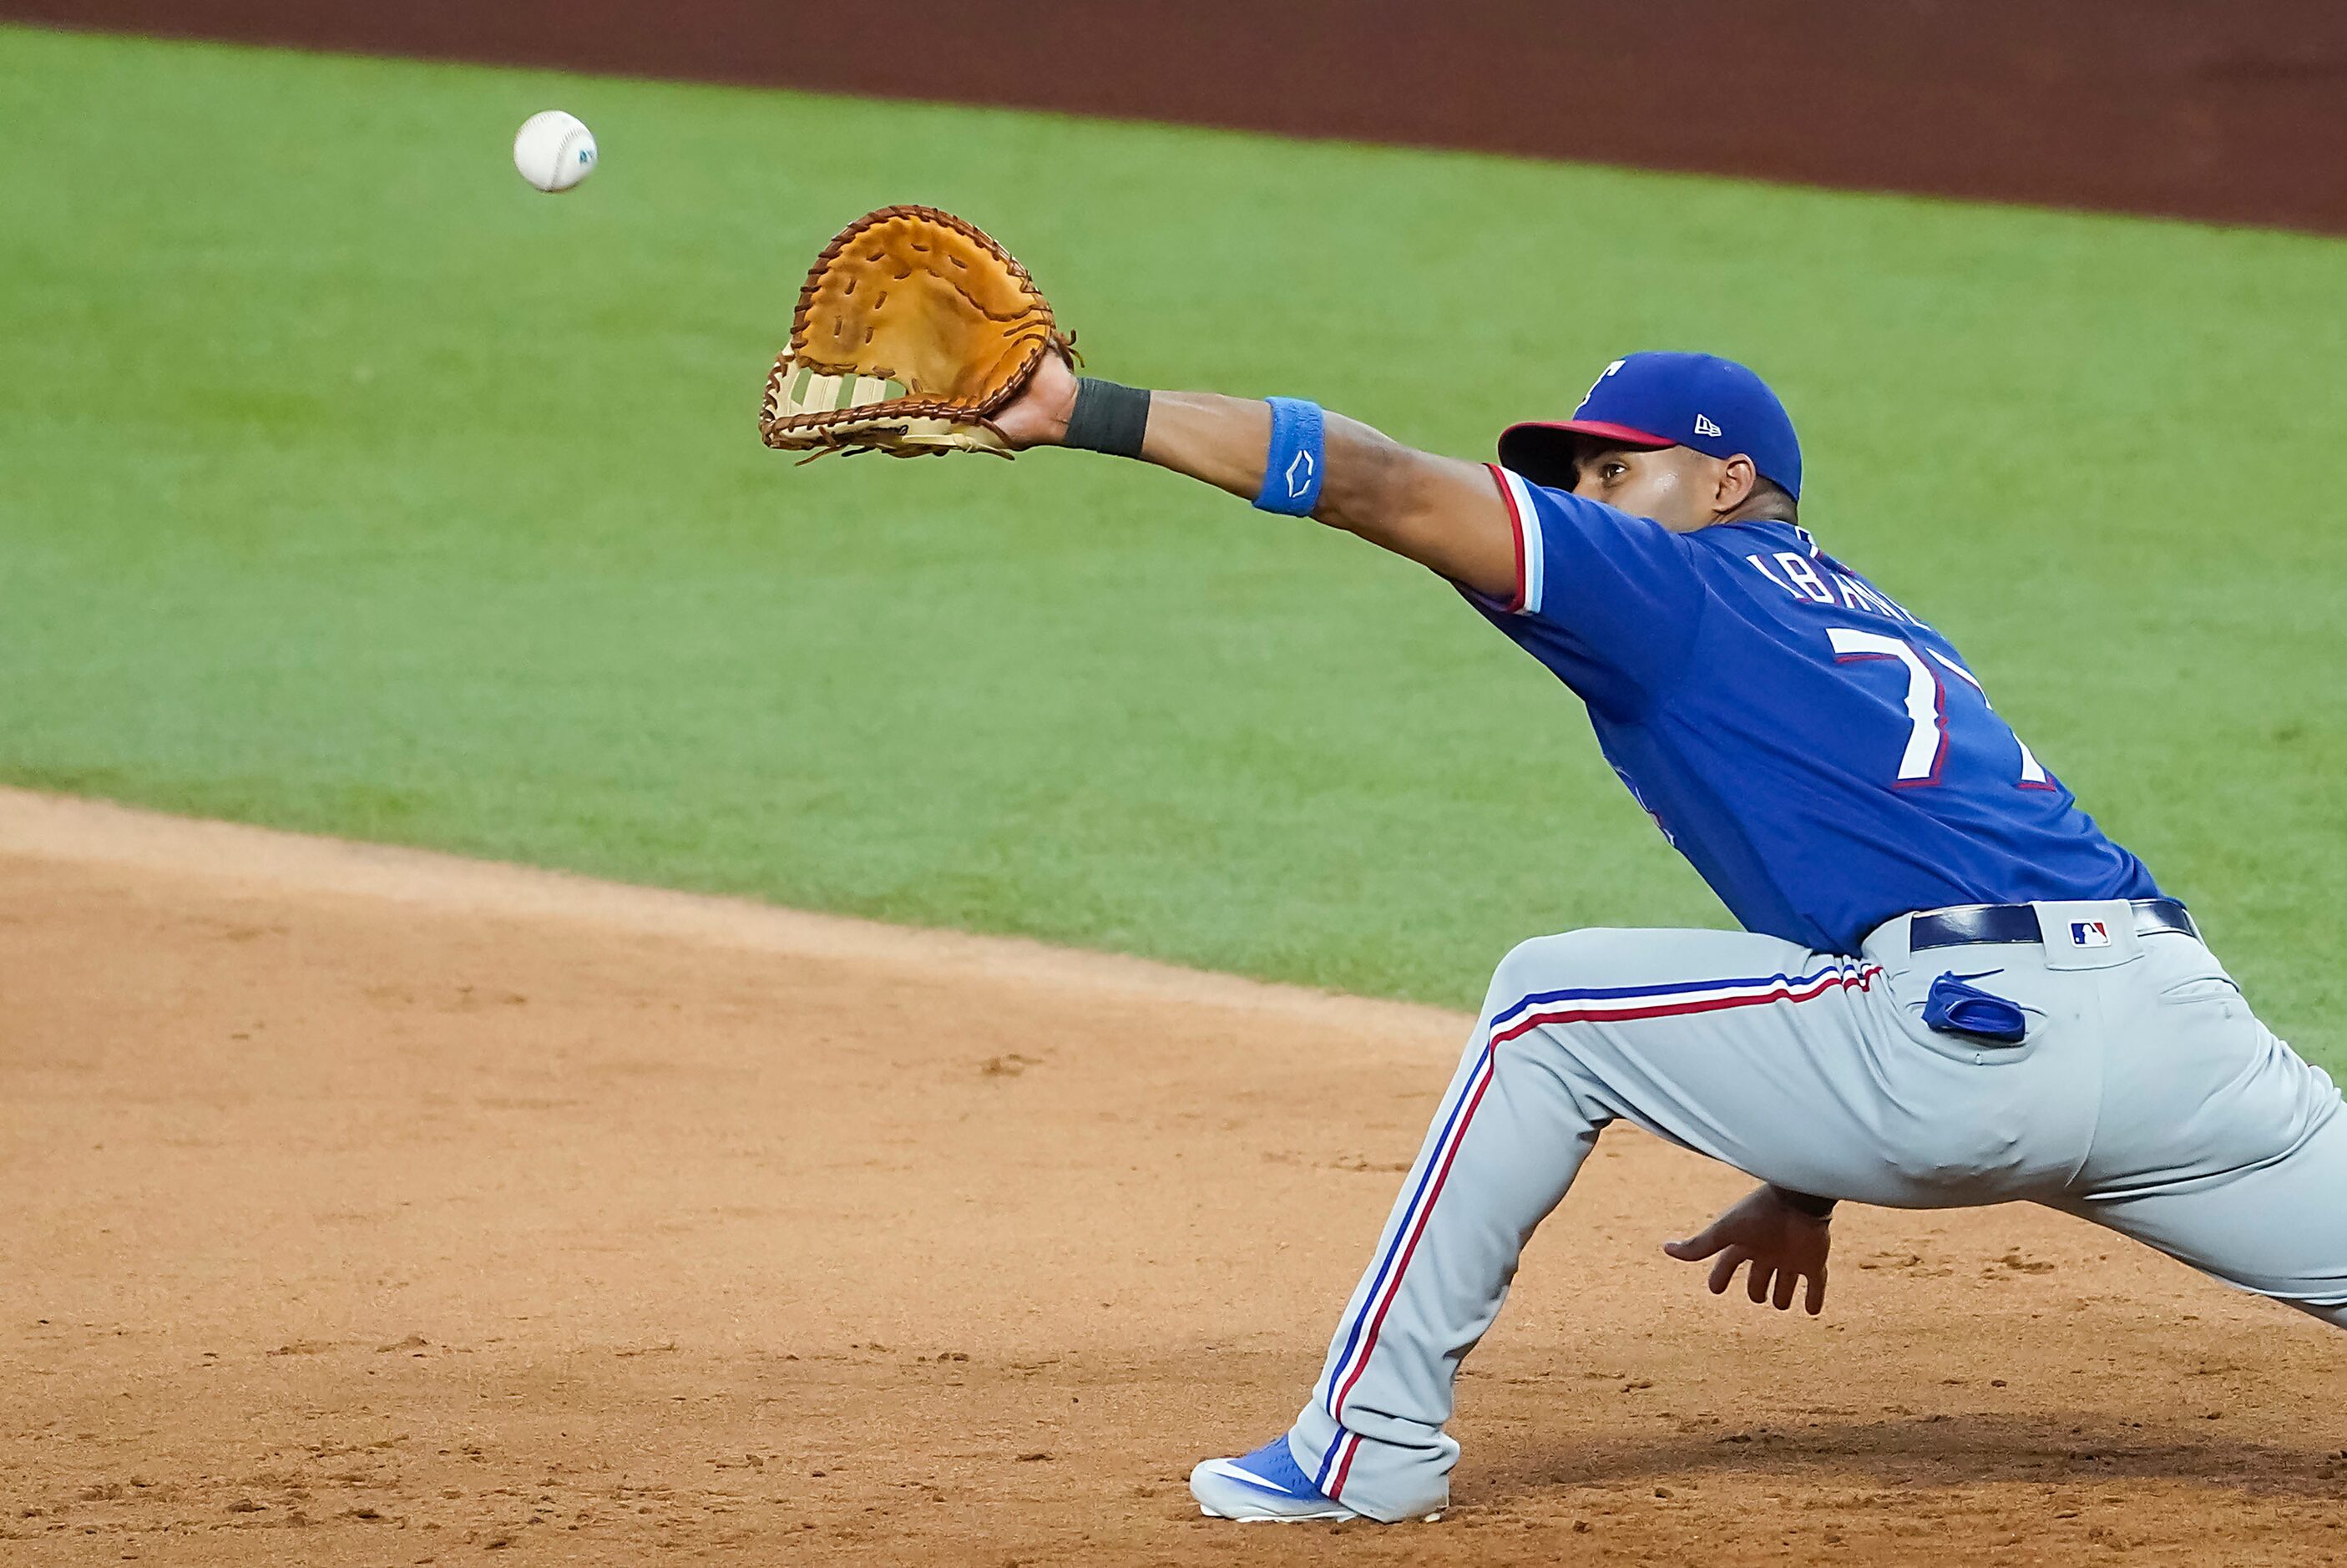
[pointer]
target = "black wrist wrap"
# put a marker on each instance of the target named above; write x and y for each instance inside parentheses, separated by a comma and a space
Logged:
(1108, 417)
(1817, 1208)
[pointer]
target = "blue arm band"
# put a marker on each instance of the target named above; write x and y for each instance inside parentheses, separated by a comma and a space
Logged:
(1291, 473)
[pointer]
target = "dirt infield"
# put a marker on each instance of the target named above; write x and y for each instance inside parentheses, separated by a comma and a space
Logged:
(2205, 108)
(371, 1207)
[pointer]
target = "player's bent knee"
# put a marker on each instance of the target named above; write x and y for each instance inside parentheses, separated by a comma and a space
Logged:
(1564, 962)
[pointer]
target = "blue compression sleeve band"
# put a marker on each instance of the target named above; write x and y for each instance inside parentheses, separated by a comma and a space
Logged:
(1292, 471)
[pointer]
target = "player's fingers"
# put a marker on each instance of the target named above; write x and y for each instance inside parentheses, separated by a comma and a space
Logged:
(1787, 1282)
(1756, 1287)
(1700, 1246)
(1817, 1301)
(1724, 1269)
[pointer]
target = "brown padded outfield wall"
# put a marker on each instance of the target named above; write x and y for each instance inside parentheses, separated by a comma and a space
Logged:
(2234, 110)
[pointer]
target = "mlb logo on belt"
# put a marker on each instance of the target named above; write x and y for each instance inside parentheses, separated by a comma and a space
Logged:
(2090, 934)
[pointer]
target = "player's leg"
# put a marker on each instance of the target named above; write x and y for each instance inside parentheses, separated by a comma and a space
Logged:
(1787, 1065)
(2217, 1143)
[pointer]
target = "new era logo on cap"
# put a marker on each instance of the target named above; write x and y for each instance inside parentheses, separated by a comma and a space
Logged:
(2090, 934)
(1704, 426)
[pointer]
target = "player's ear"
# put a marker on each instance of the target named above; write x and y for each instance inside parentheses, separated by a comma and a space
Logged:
(1738, 479)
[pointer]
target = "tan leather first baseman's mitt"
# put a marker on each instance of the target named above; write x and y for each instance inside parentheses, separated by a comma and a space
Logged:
(912, 331)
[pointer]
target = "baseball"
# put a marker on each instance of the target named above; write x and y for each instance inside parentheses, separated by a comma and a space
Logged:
(554, 150)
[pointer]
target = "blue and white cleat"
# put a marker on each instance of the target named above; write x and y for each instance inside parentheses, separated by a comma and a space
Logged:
(1264, 1485)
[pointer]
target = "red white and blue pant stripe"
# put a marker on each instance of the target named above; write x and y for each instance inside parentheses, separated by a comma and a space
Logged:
(1357, 1339)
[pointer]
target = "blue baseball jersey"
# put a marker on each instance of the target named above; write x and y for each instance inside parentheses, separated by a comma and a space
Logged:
(1823, 758)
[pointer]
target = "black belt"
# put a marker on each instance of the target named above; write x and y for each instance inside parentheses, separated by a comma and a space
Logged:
(1971, 923)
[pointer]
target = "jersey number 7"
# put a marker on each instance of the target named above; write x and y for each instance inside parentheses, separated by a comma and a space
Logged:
(1926, 751)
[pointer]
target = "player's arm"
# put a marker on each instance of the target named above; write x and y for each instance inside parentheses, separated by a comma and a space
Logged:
(1447, 515)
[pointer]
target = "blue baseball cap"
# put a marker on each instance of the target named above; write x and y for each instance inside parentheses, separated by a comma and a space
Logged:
(1651, 401)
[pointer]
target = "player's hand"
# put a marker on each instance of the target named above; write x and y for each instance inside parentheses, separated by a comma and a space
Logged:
(1784, 1248)
(1037, 417)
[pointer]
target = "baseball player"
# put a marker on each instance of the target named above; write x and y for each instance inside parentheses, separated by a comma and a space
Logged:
(1950, 988)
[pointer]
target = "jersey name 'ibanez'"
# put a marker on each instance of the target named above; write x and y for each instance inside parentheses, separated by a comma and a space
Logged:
(1824, 759)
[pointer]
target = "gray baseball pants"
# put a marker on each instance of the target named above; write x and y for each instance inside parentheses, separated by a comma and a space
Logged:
(2145, 1097)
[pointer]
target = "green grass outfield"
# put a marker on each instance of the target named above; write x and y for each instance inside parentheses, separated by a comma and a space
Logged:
(348, 485)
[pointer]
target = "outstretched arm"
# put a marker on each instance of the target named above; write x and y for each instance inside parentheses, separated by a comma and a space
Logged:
(1447, 515)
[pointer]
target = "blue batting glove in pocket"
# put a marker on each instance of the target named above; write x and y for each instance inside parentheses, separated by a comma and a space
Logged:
(1954, 1007)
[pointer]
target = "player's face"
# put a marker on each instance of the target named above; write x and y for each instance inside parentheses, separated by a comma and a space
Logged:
(1677, 486)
